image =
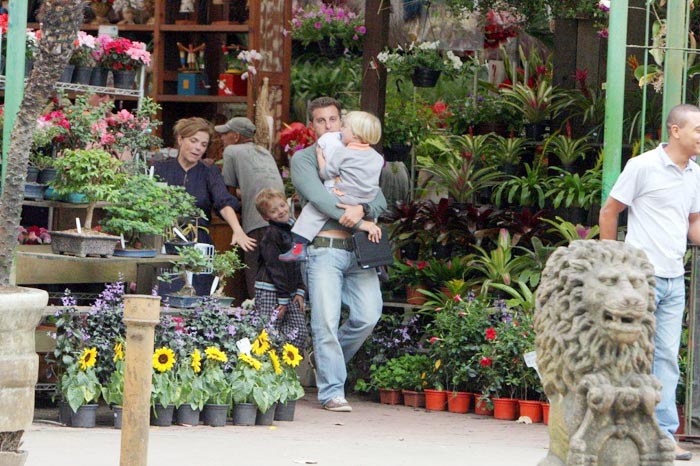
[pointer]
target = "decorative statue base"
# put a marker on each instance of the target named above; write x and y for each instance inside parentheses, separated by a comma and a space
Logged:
(595, 324)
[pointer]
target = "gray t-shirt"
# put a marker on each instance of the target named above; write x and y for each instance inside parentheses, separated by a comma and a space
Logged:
(660, 197)
(250, 168)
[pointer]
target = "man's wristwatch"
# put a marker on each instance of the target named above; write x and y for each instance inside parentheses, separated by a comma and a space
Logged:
(365, 209)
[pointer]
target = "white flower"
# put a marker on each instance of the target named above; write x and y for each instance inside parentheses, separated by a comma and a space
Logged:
(383, 56)
(454, 59)
(604, 4)
(428, 45)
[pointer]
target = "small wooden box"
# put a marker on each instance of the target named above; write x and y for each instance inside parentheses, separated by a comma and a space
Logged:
(192, 84)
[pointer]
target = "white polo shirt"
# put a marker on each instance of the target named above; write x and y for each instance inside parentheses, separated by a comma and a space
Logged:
(660, 196)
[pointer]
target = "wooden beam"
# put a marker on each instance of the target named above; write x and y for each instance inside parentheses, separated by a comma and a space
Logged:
(376, 39)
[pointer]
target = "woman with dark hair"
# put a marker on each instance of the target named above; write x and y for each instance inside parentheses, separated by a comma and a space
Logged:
(203, 182)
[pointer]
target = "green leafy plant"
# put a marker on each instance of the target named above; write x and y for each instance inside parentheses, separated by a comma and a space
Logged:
(164, 385)
(570, 232)
(571, 190)
(113, 390)
(499, 265)
(79, 383)
(507, 151)
(253, 381)
(191, 260)
(143, 206)
(525, 190)
(288, 383)
(92, 172)
(191, 388)
(410, 273)
(406, 122)
(226, 264)
(216, 385)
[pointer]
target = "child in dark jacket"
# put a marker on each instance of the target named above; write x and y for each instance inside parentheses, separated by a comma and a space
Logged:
(279, 288)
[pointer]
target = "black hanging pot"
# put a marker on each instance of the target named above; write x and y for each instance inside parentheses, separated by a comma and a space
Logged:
(425, 77)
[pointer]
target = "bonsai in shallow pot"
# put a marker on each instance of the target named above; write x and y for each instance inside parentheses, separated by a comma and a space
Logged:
(97, 175)
(142, 207)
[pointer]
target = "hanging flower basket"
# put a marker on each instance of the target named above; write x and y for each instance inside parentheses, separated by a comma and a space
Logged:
(425, 77)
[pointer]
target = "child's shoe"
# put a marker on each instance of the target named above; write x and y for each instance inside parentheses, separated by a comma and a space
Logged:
(296, 254)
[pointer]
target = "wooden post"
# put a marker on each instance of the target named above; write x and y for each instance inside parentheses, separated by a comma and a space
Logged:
(141, 314)
(374, 79)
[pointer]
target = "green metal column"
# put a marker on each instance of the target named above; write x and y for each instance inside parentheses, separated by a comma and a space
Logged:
(614, 94)
(14, 72)
(674, 62)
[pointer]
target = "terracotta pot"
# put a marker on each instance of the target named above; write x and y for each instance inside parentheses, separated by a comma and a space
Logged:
(505, 408)
(389, 397)
(435, 400)
(481, 407)
(531, 409)
(414, 297)
(458, 402)
(545, 413)
(413, 399)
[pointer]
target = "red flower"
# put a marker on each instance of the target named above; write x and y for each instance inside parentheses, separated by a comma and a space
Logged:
(433, 340)
(421, 265)
(179, 324)
(458, 298)
(490, 333)
(485, 362)
(3, 23)
(296, 136)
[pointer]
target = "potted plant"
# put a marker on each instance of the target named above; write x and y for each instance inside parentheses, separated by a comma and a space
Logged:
(538, 104)
(406, 124)
(411, 275)
(95, 174)
(225, 265)
(253, 381)
(164, 387)
(289, 385)
(333, 27)
(124, 57)
(217, 387)
(81, 388)
(192, 261)
(82, 57)
(423, 62)
(192, 393)
(527, 190)
(566, 149)
(507, 153)
(145, 207)
(411, 370)
(113, 389)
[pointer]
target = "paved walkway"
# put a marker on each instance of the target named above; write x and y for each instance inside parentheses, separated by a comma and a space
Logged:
(372, 435)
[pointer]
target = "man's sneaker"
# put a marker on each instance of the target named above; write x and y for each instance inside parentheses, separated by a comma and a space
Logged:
(681, 454)
(296, 254)
(339, 405)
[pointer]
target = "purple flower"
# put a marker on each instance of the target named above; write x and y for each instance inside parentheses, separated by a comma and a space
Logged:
(317, 25)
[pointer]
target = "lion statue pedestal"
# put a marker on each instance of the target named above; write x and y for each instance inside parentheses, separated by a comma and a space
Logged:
(594, 323)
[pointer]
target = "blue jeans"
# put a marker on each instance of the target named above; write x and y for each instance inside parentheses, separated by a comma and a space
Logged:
(670, 304)
(334, 278)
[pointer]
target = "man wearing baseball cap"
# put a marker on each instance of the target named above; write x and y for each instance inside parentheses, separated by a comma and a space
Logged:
(249, 168)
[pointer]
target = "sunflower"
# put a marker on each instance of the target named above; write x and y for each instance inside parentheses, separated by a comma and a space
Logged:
(291, 355)
(215, 354)
(88, 358)
(163, 359)
(250, 360)
(261, 344)
(275, 362)
(118, 351)
(196, 361)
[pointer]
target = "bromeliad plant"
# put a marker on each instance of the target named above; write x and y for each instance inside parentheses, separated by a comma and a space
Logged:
(164, 387)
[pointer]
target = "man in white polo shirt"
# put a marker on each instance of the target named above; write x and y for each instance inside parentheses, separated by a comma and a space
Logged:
(661, 187)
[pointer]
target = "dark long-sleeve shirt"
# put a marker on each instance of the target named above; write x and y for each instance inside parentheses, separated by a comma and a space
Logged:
(203, 182)
(282, 277)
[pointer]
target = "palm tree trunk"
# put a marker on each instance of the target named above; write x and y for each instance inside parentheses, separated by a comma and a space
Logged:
(61, 20)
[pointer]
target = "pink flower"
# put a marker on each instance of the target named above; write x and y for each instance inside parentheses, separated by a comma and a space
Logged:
(433, 340)
(458, 298)
(317, 25)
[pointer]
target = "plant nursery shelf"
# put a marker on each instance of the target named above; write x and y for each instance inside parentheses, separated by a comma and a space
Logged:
(72, 87)
(204, 28)
(95, 27)
(200, 98)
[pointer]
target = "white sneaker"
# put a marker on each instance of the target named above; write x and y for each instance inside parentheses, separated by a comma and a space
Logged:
(338, 404)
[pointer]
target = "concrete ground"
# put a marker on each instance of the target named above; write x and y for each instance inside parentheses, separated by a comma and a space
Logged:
(372, 435)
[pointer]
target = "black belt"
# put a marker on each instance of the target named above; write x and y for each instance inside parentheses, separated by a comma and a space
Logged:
(335, 243)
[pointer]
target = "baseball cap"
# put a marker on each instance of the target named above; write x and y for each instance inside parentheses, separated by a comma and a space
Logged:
(240, 125)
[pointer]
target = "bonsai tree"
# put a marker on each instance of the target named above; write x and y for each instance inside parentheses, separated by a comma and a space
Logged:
(145, 207)
(192, 260)
(226, 264)
(60, 20)
(92, 172)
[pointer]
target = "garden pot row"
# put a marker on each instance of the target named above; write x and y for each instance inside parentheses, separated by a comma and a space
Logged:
(242, 414)
(461, 402)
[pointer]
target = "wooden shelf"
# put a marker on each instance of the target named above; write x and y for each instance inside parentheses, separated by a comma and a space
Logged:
(95, 27)
(201, 98)
(204, 28)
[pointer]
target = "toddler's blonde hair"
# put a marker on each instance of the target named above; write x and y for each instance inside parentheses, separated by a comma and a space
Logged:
(265, 197)
(364, 125)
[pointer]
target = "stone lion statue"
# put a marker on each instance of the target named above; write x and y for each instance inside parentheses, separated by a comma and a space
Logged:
(594, 324)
